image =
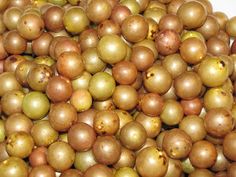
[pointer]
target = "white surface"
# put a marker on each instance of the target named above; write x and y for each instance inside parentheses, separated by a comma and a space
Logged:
(226, 6)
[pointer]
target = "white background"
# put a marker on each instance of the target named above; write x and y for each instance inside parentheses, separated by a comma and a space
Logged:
(226, 6)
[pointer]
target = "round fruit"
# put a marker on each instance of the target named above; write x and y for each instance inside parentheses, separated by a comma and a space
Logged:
(60, 156)
(111, 48)
(152, 162)
(35, 105)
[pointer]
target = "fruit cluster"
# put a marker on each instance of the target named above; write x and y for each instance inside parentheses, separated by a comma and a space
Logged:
(109, 88)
